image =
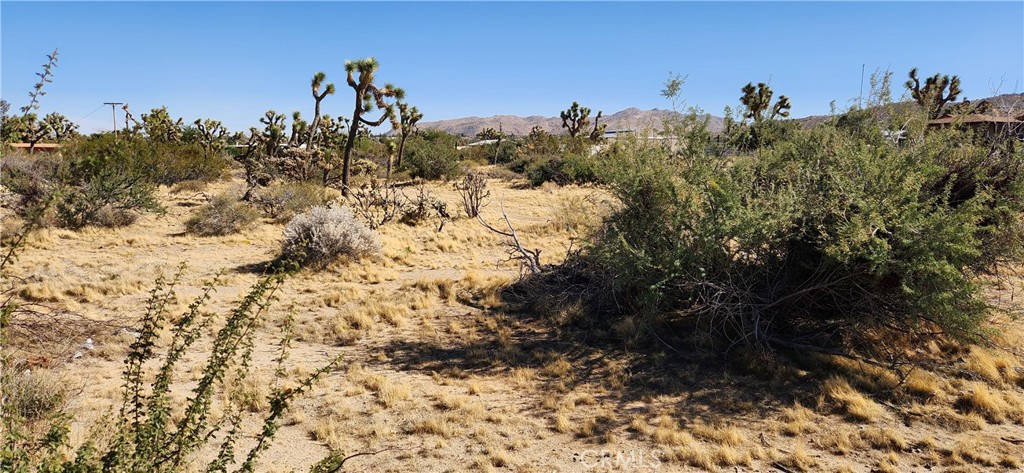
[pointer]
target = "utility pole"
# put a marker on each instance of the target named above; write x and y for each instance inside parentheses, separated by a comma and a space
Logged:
(113, 113)
(860, 98)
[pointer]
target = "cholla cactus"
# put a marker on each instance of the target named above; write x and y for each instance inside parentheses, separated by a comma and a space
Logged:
(933, 95)
(368, 97)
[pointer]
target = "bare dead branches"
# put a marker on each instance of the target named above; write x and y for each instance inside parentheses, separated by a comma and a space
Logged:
(529, 259)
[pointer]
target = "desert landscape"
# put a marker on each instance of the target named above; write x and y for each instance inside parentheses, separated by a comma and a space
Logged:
(361, 285)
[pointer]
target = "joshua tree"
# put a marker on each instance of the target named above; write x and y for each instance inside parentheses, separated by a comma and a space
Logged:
(933, 95)
(407, 118)
(59, 127)
(575, 118)
(368, 97)
(759, 100)
(273, 132)
(160, 126)
(318, 80)
(598, 132)
(211, 134)
(301, 131)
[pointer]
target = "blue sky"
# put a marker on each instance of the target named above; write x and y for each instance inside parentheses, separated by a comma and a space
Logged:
(232, 61)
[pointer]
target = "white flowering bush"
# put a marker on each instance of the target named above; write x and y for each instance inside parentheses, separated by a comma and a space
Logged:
(321, 235)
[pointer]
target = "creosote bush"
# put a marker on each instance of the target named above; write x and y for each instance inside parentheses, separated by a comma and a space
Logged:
(224, 214)
(323, 234)
(821, 239)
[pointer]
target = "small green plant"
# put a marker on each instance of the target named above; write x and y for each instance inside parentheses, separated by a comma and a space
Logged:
(144, 437)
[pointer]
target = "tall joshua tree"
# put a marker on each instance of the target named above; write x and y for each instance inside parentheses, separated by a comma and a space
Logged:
(758, 101)
(407, 118)
(575, 118)
(318, 80)
(933, 95)
(368, 97)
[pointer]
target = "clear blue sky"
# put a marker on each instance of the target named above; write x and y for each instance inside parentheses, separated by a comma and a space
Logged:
(233, 61)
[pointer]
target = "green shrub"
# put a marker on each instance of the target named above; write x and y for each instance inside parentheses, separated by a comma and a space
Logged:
(570, 169)
(103, 196)
(157, 161)
(822, 237)
(222, 215)
(432, 155)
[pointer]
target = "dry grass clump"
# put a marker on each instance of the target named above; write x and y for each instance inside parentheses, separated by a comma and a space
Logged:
(888, 464)
(251, 393)
(30, 395)
(561, 423)
(981, 400)
(443, 289)
(839, 441)
(798, 460)
(668, 432)
(922, 384)
(969, 451)
(720, 434)
(992, 367)
(445, 426)
(388, 392)
(884, 439)
(224, 214)
(850, 401)
(945, 417)
(796, 420)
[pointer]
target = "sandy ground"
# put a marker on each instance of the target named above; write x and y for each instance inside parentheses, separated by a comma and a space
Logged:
(442, 379)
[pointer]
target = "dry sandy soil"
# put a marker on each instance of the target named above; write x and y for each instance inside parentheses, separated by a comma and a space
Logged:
(438, 372)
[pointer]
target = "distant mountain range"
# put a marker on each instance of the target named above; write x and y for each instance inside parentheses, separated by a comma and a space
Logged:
(628, 119)
(634, 118)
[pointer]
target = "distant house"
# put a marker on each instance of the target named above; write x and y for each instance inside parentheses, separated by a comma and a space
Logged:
(992, 126)
(45, 147)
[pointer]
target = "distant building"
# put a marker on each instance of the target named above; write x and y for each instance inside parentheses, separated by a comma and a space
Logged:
(993, 126)
(45, 147)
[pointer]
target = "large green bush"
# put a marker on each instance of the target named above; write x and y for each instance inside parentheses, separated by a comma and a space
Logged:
(432, 155)
(158, 161)
(821, 238)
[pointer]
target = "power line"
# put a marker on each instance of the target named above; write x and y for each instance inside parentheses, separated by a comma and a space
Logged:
(90, 113)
